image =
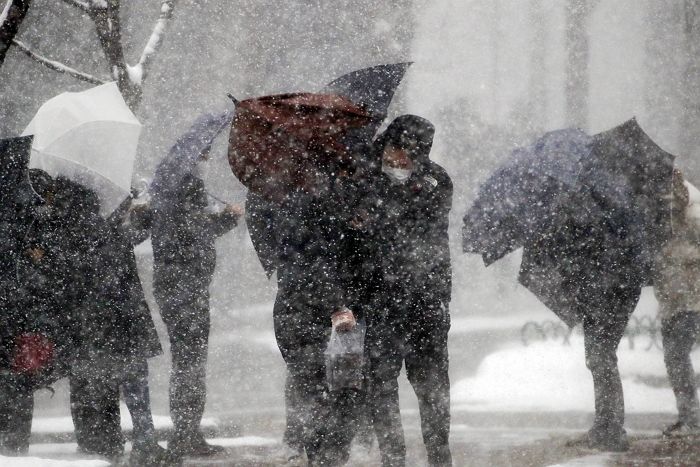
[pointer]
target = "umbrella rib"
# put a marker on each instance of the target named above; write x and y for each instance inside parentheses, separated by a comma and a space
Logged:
(89, 169)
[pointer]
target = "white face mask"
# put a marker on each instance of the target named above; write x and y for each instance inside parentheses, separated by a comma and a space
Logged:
(397, 175)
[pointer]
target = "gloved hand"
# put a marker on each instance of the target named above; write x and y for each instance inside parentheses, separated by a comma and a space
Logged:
(343, 320)
(33, 352)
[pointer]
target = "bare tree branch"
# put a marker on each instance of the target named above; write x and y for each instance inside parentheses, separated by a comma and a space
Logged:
(11, 18)
(80, 4)
(57, 66)
(105, 15)
(139, 71)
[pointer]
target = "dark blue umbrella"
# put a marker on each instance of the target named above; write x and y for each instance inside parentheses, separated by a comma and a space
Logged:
(522, 197)
(184, 156)
(372, 88)
(590, 212)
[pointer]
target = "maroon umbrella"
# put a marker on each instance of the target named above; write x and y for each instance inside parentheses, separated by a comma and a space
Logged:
(283, 142)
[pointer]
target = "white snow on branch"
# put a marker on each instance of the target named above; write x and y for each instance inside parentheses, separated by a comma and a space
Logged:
(98, 3)
(57, 66)
(138, 72)
(83, 5)
(3, 15)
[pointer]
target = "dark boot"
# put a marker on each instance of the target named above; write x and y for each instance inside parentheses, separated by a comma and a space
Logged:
(152, 455)
(193, 445)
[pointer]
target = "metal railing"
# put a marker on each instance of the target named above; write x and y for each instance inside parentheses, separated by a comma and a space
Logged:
(644, 331)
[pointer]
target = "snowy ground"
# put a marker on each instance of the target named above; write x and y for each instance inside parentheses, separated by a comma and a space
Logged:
(513, 404)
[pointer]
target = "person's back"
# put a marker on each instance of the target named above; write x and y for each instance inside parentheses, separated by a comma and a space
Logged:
(310, 232)
(182, 236)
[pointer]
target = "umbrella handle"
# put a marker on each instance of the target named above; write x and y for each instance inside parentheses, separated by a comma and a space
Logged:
(217, 199)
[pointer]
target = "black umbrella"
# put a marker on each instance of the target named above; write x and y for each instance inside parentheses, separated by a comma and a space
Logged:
(372, 88)
(600, 228)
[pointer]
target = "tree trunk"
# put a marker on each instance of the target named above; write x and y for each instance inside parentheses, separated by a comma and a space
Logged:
(576, 87)
(690, 126)
(538, 69)
(108, 27)
(16, 11)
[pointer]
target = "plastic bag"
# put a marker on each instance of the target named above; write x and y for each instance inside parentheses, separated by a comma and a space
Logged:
(345, 358)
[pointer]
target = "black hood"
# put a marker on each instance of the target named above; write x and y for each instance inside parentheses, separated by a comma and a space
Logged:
(409, 132)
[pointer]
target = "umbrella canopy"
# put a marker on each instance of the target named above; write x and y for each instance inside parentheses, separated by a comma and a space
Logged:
(522, 197)
(283, 142)
(592, 219)
(371, 88)
(90, 137)
(184, 156)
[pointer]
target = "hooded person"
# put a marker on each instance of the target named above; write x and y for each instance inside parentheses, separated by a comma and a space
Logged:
(409, 321)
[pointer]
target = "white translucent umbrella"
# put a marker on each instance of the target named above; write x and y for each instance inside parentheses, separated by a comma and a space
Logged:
(693, 203)
(89, 137)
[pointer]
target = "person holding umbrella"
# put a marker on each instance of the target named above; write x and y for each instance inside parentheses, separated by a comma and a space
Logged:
(409, 320)
(290, 150)
(183, 231)
(591, 213)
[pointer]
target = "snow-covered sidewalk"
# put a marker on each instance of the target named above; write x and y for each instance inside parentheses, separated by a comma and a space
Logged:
(551, 376)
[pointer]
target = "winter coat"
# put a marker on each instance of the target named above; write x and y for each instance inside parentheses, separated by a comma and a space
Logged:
(309, 231)
(677, 282)
(15, 221)
(55, 283)
(410, 221)
(260, 219)
(117, 325)
(183, 241)
(86, 284)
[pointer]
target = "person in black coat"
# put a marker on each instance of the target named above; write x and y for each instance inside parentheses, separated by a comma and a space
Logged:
(17, 314)
(118, 337)
(184, 261)
(409, 321)
(49, 259)
(312, 260)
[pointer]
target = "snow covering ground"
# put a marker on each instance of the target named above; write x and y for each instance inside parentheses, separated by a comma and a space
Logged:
(588, 461)
(65, 424)
(40, 461)
(43, 454)
(550, 376)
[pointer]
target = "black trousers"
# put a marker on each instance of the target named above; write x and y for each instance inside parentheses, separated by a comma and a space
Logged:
(679, 334)
(95, 408)
(16, 407)
(320, 420)
(604, 325)
(413, 330)
(187, 318)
